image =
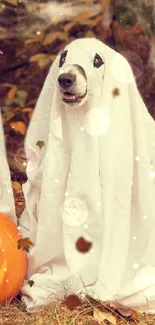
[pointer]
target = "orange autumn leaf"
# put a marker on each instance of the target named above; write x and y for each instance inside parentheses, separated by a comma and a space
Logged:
(82, 17)
(133, 315)
(25, 244)
(11, 93)
(19, 127)
(98, 19)
(19, 203)
(51, 37)
(69, 26)
(37, 57)
(17, 186)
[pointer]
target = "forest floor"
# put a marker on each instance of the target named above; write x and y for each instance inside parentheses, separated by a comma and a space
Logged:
(91, 312)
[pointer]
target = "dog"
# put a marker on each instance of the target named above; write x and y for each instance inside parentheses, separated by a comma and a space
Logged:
(73, 80)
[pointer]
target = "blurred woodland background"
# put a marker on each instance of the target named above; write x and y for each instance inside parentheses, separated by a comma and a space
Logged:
(31, 35)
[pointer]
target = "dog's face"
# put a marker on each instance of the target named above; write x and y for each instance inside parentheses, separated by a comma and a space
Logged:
(75, 74)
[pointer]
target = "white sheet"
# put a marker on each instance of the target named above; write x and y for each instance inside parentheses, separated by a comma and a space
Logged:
(98, 162)
(6, 194)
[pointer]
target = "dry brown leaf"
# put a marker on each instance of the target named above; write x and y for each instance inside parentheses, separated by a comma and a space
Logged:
(31, 283)
(37, 57)
(52, 57)
(32, 40)
(90, 34)
(43, 62)
(8, 117)
(19, 203)
(11, 93)
(98, 19)
(100, 317)
(88, 22)
(19, 127)
(51, 37)
(69, 26)
(81, 17)
(17, 186)
(25, 244)
(28, 110)
(12, 2)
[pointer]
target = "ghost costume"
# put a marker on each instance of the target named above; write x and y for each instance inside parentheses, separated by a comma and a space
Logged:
(91, 173)
(6, 194)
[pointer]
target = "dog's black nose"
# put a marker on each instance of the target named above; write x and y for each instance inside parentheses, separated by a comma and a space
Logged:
(66, 80)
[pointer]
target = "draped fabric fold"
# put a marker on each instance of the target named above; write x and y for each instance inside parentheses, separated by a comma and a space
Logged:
(94, 177)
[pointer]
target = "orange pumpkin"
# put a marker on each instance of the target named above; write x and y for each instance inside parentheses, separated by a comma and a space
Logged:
(13, 261)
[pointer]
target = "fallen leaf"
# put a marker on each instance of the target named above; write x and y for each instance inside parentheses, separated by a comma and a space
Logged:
(19, 203)
(116, 92)
(100, 317)
(37, 57)
(82, 17)
(52, 57)
(32, 40)
(21, 97)
(19, 127)
(73, 301)
(90, 34)
(40, 144)
(28, 110)
(17, 186)
(134, 315)
(8, 85)
(88, 22)
(98, 19)
(11, 93)
(31, 283)
(51, 37)
(83, 245)
(8, 117)
(12, 2)
(69, 26)
(25, 244)
(43, 62)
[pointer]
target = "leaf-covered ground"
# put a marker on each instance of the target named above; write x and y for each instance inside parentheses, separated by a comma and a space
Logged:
(90, 312)
(29, 43)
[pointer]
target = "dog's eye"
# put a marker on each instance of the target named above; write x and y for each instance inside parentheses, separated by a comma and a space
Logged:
(62, 59)
(97, 62)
